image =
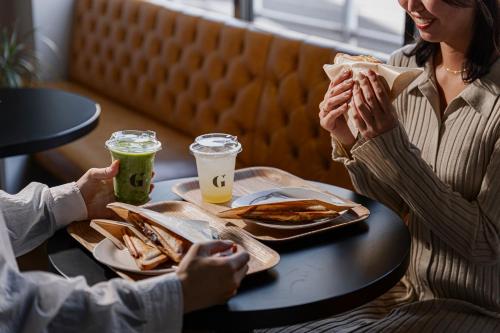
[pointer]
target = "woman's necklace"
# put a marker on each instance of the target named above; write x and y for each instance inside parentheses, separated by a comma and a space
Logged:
(453, 71)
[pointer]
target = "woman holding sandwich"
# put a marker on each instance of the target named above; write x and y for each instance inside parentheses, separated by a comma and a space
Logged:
(44, 302)
(434, 157)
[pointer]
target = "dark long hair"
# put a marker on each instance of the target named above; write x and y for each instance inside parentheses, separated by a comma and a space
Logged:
(485, 40)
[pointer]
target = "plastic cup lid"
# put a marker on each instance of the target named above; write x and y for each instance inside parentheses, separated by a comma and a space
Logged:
(215, 144)
(133, 141)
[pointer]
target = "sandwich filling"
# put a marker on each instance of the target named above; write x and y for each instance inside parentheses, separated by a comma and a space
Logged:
(145, 256)
(287, 211)
(167, 242)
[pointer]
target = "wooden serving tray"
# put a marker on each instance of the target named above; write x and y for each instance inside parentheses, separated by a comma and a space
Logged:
(261, 257)
(255, 179)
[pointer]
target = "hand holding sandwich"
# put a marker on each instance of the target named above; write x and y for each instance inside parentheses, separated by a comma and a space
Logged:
(209, 278)
(362, 89)
(374, 114)
(335, 105)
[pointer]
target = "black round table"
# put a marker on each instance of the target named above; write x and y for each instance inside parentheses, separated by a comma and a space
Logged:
(36, 119)
(315, 278)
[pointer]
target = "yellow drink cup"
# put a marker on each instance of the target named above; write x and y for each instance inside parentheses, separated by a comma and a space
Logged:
(215, 156)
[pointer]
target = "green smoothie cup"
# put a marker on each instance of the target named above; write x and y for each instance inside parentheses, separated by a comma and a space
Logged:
(136, 152)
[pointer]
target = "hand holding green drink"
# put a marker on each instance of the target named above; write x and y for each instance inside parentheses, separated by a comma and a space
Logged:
(136, 151)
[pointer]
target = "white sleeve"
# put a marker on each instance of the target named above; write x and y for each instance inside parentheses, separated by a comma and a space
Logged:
(45, 302)
(35, 213)
(41, 302)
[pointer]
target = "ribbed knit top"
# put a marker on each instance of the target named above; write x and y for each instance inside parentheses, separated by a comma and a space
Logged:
(443, 174)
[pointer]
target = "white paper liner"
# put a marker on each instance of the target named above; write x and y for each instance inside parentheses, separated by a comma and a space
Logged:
(195, 231)
(397, 78)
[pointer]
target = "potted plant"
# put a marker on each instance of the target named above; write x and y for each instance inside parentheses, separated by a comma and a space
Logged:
(19, 63)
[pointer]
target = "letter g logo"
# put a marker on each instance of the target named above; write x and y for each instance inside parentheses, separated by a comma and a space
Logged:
(219, 181)
(137, 180)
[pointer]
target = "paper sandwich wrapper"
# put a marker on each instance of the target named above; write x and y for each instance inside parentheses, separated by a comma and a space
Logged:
(397, 78)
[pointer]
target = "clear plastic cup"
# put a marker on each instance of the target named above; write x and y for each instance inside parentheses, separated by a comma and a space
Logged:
(215, 155)
(136, 151)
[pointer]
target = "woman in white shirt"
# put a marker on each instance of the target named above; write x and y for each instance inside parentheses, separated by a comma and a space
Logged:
(44, 302)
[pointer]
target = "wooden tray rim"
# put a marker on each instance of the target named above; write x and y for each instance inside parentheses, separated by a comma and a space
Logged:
(88, 245)
(363, 215)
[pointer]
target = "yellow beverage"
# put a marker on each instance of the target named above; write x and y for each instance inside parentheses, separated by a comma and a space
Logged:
(216, 176)
(215, 161)
(216, 198)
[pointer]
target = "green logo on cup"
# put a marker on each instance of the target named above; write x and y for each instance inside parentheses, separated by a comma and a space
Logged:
(219, 181)
(137, 180)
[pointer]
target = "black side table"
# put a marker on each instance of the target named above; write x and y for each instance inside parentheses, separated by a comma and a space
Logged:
(36, 119)
(315, 278)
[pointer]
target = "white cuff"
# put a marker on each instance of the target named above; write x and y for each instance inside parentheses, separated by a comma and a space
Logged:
(68, 204)
(163, 303)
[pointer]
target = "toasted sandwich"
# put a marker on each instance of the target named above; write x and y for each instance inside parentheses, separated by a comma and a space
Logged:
(307, 210)
(125, 236)
(150, 237)
(342, 58)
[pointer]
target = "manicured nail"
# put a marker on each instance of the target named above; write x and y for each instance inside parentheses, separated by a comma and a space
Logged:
(349, 81)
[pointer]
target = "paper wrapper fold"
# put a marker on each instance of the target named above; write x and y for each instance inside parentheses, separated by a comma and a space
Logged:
(397, 78)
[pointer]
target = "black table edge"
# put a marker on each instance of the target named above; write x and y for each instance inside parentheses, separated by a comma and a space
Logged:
(57, 140)
(318, 310)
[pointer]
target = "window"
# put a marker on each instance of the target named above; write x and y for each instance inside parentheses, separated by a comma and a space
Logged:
(375, 25)
(219, 6)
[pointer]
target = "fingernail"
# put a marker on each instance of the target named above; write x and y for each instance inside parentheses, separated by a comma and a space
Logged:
(348, 81)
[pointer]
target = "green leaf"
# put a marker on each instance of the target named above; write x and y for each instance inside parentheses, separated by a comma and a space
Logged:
(30, 66)
(5, 48)
(19, 63)
(13, 38)
(13, 80)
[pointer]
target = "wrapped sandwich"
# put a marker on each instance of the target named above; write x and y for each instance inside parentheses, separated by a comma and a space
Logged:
(397, 78)
(150, 237)
(294, 211)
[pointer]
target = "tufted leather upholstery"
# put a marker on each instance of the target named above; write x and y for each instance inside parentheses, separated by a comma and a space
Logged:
(194, 73)
(69, 161)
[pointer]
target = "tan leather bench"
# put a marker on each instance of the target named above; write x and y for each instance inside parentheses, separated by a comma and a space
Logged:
(182, 72)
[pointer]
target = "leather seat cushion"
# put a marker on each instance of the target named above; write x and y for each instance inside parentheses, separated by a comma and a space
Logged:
(70, 161)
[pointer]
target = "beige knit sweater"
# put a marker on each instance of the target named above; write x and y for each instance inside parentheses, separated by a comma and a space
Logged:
(443, 174)
(446, 172)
